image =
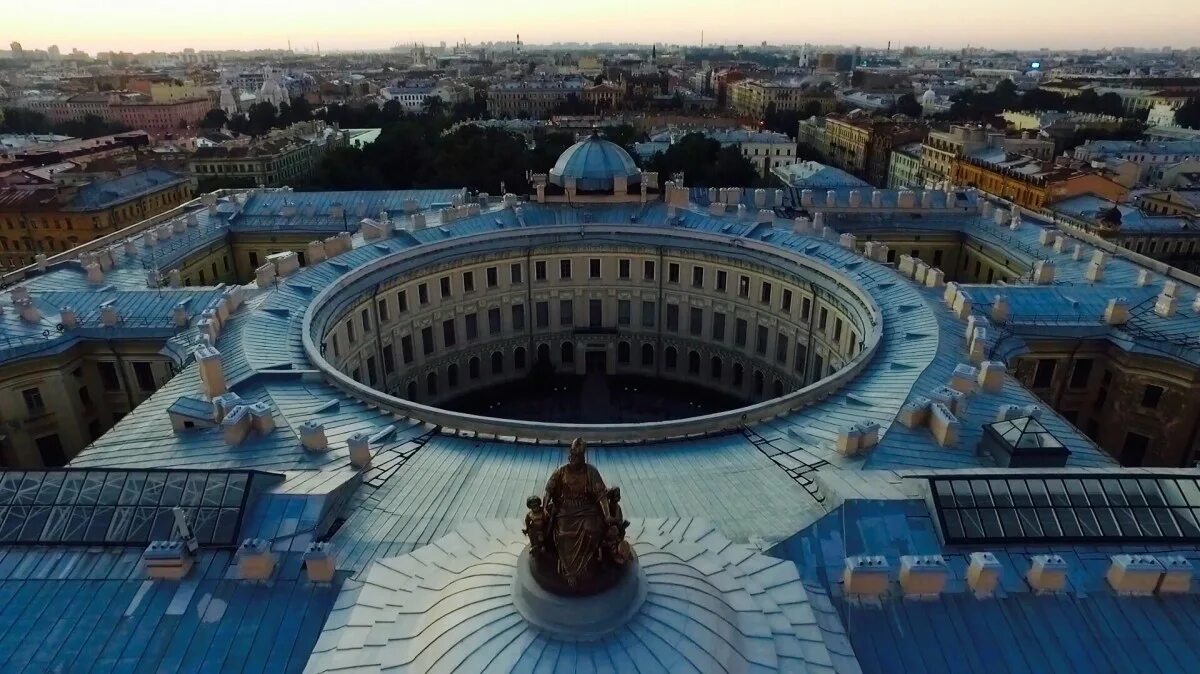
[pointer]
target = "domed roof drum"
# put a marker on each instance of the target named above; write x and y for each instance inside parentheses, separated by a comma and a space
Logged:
(594, 163)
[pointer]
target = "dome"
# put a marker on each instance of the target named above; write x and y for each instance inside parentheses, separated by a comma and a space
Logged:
(928, 97)
(594, 163)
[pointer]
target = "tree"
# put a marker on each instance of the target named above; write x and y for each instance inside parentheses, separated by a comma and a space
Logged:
(1188, 116)
(573, 105)
(214, 119)
(704, 163)
(262, 118)
(434, 106)
(908, 106)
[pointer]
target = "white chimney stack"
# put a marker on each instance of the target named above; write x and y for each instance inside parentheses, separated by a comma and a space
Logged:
(1048, 573)
(866, 576)
(255, 560)
(312, 436)
(69, 319)
(360, 450)
(922, 576)
(983, 573)
(319, 562)
(212, 372)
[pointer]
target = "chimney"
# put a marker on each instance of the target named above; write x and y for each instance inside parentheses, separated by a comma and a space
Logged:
(344, 242)
(906, 199)
(760, 197)
(164, 232)
(167, 560)
(1000, 216)
(1177, 575)
(265, 275)
(855, 198)
(964, 378)
(337, 211)
(766, 215)
(991, 376)
(1047, 237)
(962, 306)
(360, 450)
(935, 278)
(192, 220)
(40, 259)
(223, 403)
(1117, 311)
(287, 264)
(983, 574)
(802, 225)
(1095, 272)
(1000, 310)
(316, 252)
(877, 199)
(411, 206)
(130, 247)
(312, 436)
(1060, 244)
(1048, 573)
(806, 198)
(848, 440)
(915, 412)
(868, 435)
(212, 372)
(907, 263)
(255, 560)
(1143, 278)
(174, 279)
(922, 576)
(818, 221)
(949, 294)
(109, 316)
(1076, 252)
(847, 240)
(262, 421)
(1170, 288)
(1165, 305)
(236, 425)
(1043, 272)
(1134, 575)
(179, 226)
(319, 562)
(418, 221)
(69, 319)
(1006, 412)
(943, 424)
(866, 576)
(95, 275)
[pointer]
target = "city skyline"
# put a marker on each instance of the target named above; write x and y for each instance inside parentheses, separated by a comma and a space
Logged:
(267, 24)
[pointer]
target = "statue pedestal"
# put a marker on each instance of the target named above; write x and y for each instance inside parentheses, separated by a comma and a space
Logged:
(578, 618)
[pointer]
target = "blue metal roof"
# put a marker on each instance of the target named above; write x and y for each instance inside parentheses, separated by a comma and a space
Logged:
(105, 193)
(594, 163)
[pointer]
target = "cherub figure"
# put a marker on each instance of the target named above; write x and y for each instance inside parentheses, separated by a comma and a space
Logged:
(536, 525)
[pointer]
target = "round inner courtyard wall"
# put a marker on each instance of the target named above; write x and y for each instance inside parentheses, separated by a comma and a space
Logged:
(719, 333)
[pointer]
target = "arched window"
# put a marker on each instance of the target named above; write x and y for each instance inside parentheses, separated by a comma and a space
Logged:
(497, 362)
(473, 367)
(568, 352)
(431, 384)
(694, 363)
(412, 390)
(778, 388)
(543, 354)
(519, 358)
(738, 374)
(759, 383)
(669, 358)
(452, 376)
(716, 367)
(647, 355)
(623, 353)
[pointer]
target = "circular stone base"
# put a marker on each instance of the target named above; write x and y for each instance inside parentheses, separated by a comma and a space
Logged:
(578, 618)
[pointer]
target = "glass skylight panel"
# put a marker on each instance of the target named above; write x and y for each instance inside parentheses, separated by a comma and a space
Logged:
(118, 507)
(1047, 508)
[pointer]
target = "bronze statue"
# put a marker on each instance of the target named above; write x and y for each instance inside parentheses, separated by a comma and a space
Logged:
(577, 532)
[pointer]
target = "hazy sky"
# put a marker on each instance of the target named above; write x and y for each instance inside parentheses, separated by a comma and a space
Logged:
(170, 25)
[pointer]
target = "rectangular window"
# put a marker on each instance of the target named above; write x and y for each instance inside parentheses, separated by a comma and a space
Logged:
(493, 277)
(696, 321)
(471, 325)
(539, 270)
(648, 270)
(743, 286)
(1081, 373)
(594, 267)
(648, 314)
(1044, 374)
(444, 287)
(427, 345)
(566, 312)
(1151, 396)
(805, 308)
(468, 281)
(760, 340)
(785, 301)
(718, 326)
(595, 313)
(406, 348)
(697, 276)
(764, 293)
(389, 359)
(824, 320)
(402, 300)
(801, 356)
(514, 273)
(722, 280)
(448, 332)
(494, 321)
(623, 268)
(365, 316)
(371, 370)
(673, 273)
(423, 293)
(624, 311)
(518, 316)
(937, 258)
(144, 375)
(541, 312)
(382, 307)
(564, 269)
(781, 348)
(33, 401)
(673, 317)
(740, 328)
(837, 330)
(108, 376)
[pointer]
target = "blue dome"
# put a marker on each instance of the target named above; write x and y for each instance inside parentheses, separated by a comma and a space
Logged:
(594, 163)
